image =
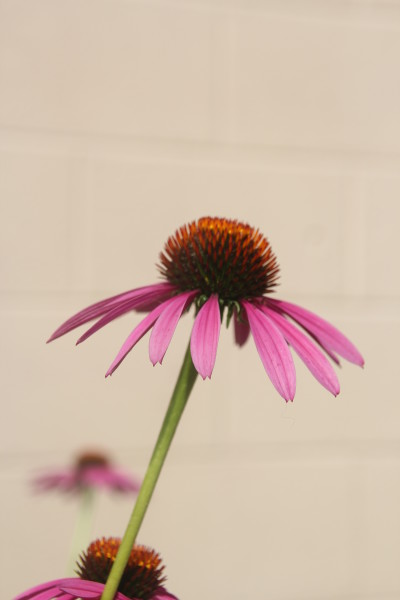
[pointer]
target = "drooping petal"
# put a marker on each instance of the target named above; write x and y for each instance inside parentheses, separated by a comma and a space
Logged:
(119, 309)
(65, 480)
(241, 329)
(79, 592)
(47, 595)
(135, 336)
(145, 294)
(314, 360)
(205, 336)
(165, 326)
(109, 478)
(51, 595)
(88, 589)
(273, 350)
(327, 335)
(82, 586)
(50, 586)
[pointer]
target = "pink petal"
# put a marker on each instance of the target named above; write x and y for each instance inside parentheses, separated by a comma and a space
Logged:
(316, 362)
(100, 308)
(49, 595)
(205, 336)
(72, 586)
(50, 586)
(328, 336)
(81, 588)
(123, 307)
(273, 351)
(79, 593)
(109, 478)
(242, 330)
(63, 479)
(125, 483)
(135, 336)
(165, 326)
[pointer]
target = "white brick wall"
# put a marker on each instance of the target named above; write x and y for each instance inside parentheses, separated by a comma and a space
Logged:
(121, 120)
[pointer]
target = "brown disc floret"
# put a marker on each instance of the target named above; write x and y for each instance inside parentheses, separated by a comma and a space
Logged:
(220, 256)
(142, 575)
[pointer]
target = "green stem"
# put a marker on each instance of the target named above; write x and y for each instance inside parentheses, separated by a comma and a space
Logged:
(181, 393)
(83, 528)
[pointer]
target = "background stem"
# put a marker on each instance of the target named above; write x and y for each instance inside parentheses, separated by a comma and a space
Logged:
(83, 528)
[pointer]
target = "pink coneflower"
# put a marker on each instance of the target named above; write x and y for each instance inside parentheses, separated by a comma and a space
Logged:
(223, 266)
(91, 470)
(142, 579)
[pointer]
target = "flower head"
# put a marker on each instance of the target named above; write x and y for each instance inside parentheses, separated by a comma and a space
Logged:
(142, 579)
(222, 266)
(91, 470)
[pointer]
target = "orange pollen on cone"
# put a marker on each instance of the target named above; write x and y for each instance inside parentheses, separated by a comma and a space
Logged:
(142, 575)
(221, 256)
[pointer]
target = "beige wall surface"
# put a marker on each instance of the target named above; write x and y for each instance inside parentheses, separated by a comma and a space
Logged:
(122, 120)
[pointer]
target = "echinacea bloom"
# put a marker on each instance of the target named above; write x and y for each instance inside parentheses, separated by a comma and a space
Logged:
(221, 265)
(142, 579)
(91, 470)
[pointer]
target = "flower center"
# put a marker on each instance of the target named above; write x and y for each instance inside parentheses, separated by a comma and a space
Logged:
(220, 256)
(91, 459)
(142, 575)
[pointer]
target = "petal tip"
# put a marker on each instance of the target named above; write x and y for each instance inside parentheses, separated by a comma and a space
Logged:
(287, 399)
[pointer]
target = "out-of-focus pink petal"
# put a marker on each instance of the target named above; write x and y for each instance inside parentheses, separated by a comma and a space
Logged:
(316, 362)
(273, 350)
(205, 336)
(109, 477)
(135, 336)
(63, 479)
(242, 330)
(328, 336)
(165, 326)
(143, 294)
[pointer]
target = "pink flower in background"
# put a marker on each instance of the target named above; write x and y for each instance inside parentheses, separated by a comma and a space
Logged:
(222, 265)
(142, 578)
(91, 470)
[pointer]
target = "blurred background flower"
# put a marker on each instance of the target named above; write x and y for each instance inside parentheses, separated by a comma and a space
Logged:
(90, 472)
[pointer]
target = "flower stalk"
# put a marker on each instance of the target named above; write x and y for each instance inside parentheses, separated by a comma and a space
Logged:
(181, 393)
